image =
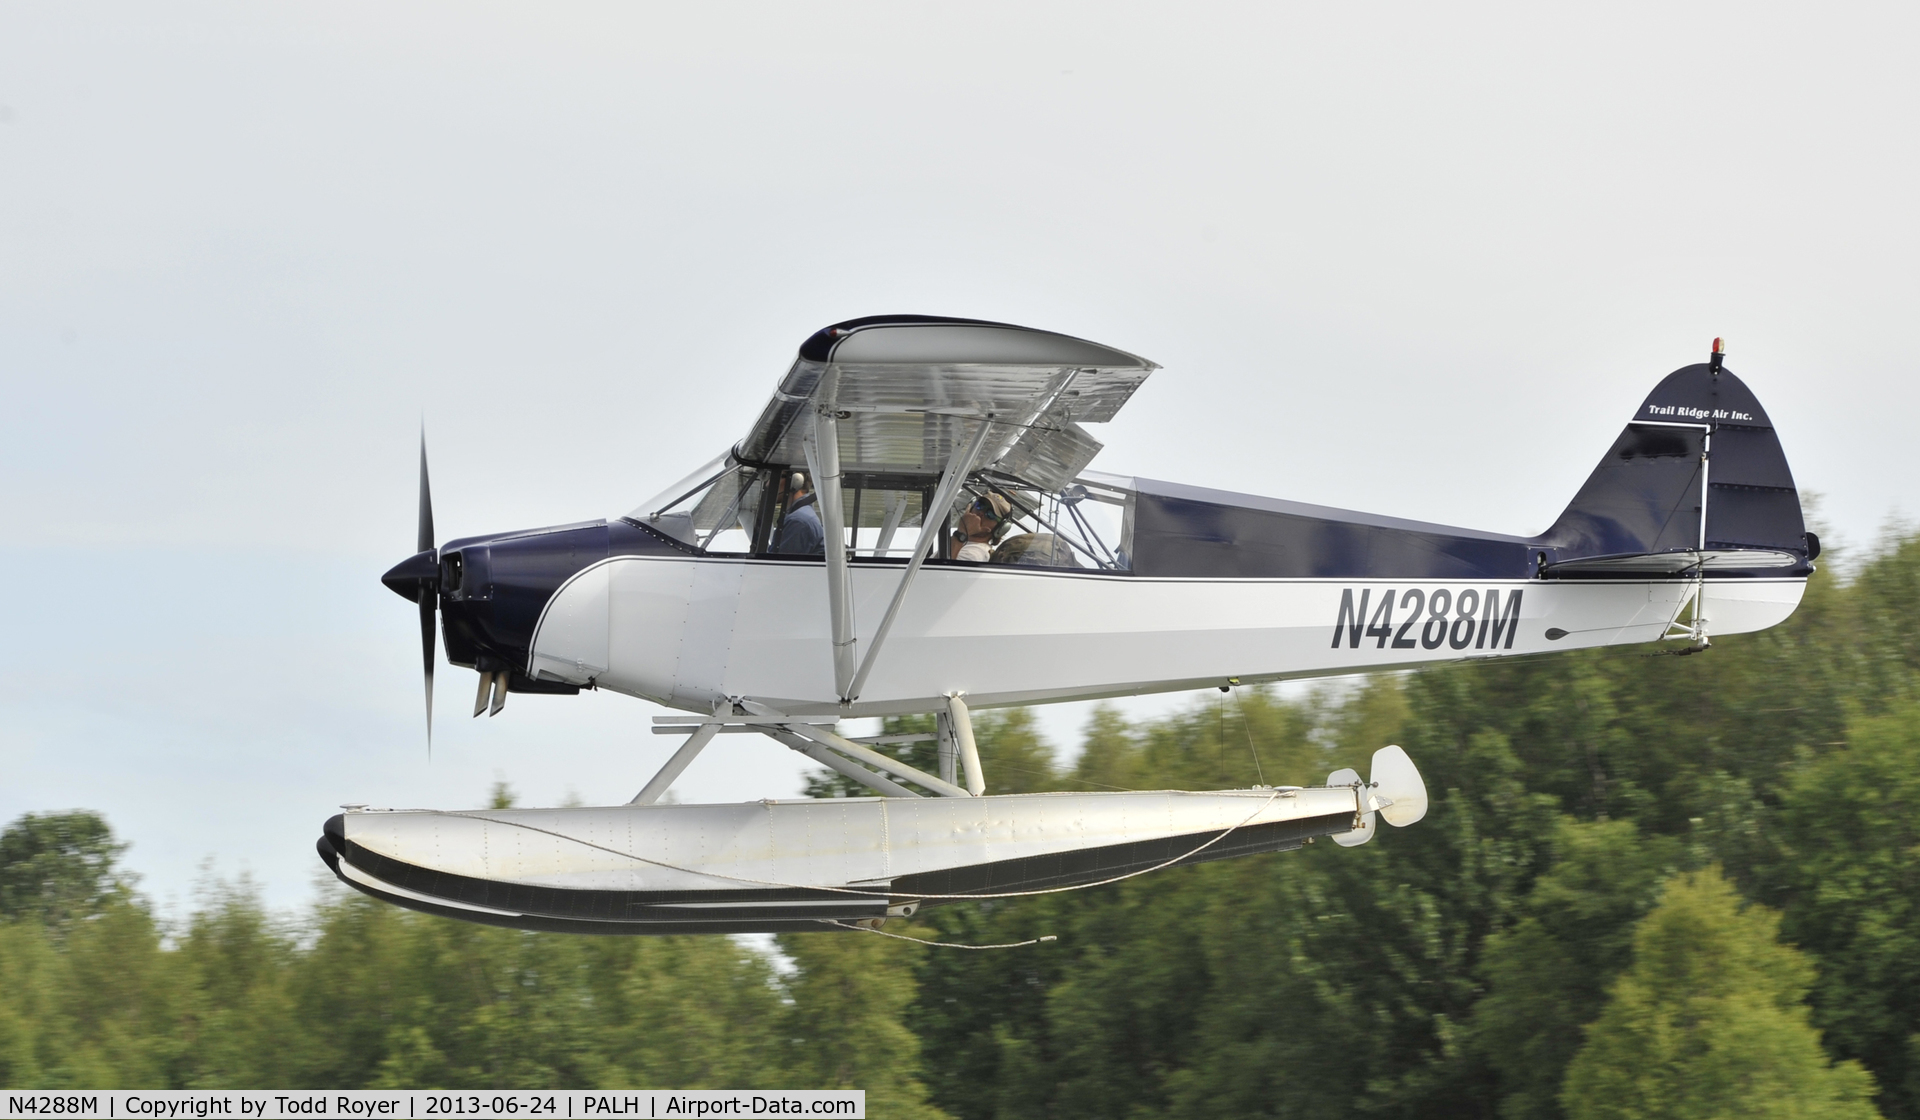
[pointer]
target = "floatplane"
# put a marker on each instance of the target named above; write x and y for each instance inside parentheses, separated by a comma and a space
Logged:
(911, 526)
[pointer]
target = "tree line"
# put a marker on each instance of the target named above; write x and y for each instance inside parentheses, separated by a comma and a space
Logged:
(1649, 886)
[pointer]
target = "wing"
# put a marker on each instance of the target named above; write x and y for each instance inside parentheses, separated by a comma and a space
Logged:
(911, 390)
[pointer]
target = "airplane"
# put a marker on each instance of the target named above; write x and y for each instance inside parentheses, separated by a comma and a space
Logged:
(911, 527)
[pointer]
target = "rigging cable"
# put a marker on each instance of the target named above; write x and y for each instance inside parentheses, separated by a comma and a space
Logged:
(1259, 774)
(935, 944)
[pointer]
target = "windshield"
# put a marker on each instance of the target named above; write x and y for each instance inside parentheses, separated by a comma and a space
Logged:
(714, 509)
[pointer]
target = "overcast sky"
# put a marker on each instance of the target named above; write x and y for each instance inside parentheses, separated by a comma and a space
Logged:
(1421, 259)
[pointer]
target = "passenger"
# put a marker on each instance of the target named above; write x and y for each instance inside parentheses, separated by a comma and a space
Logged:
(800, 533)
(983, 523)
(1035, 550)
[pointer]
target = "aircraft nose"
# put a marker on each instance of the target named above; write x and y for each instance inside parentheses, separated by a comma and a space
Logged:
(417, 573)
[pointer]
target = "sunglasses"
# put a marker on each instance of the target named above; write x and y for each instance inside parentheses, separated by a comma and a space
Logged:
(981, 507)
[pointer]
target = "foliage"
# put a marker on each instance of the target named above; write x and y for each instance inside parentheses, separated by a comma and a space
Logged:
(231, 1000)
(1850, 880)
(55, 866)
(1546, 975)
(845, 1029)
(1710, 1021)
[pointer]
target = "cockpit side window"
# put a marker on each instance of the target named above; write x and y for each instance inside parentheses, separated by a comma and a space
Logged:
(1016, 524)
(882, 513)
(731, 509)
(795, 528)
(717, 515)
(885, 513)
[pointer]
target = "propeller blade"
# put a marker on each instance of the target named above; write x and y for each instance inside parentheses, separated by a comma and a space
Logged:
(429, 595)
(429, 592)
(426, 656)
(424, 540)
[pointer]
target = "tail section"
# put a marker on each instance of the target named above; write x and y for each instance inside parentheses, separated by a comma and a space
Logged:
(1697, 480)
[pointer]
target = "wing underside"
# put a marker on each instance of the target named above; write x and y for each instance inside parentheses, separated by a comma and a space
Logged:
(908, 395)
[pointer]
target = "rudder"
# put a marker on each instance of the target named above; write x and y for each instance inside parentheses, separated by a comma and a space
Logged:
(1700, 437)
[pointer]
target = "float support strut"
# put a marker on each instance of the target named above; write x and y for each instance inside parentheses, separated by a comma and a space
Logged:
(963, 741)
(827, 758)
(682, 758)
(877, 760)
(949, 752)
(829, 742)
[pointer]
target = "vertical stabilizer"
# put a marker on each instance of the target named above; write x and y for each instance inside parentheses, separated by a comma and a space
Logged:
(1701, 439)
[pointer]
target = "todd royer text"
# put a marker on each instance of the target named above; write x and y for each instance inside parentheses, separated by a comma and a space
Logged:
(200, 1104)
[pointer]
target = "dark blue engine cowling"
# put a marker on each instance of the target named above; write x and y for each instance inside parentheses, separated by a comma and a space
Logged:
(492, 590)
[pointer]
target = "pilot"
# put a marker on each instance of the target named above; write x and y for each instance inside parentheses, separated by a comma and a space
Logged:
(983, 524)
(800, 533)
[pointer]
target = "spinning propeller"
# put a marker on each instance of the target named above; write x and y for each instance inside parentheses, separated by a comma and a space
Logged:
(429, 592)
(418, 578)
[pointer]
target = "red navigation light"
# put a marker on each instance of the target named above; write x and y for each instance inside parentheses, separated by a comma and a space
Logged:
(1720, 346)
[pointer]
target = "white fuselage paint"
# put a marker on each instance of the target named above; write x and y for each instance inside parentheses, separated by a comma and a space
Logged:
(687, 631)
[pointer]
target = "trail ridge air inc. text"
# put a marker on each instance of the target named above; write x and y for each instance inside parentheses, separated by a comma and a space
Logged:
(1693, 413)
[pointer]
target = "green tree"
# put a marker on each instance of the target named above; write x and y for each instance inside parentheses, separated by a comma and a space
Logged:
(1548, 975)
(1108, 754)
(423, 1001)
(236, 1015)
(56, 867)
(30, 1013)
(1850, 870)
(1710, 1021)
(116, 1024)
(846, 1029)
(1203, 991)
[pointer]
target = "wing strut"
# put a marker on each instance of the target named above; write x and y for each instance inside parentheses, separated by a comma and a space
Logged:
(823, 458)
(957, 469)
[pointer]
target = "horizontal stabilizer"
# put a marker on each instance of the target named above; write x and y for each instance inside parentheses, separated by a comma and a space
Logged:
(1675, 562)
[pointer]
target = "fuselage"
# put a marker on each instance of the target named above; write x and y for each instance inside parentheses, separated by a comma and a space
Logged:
(686, 631)
(616, 606)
